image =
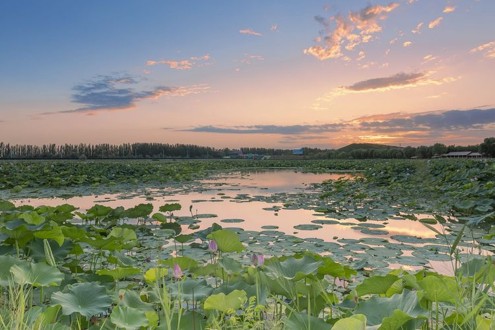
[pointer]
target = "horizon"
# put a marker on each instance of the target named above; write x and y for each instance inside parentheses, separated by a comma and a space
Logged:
(319, 74)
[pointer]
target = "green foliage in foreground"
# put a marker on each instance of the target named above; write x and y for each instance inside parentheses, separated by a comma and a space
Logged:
(62, 271)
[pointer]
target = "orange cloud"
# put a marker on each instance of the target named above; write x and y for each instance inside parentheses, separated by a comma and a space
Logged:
(433, 24)
(488, 49)
(407, 43)
(250, 32)
(349, 32)
(449, 9)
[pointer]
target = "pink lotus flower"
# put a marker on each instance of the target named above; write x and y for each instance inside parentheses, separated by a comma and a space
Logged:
(258, 259)
(212, 246)
(177, 271)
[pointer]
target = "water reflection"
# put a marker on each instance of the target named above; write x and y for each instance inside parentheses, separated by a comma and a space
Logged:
(260, 198)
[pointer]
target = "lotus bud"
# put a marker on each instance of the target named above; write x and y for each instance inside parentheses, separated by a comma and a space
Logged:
(258, 259)
(212, 246)
(177, 272)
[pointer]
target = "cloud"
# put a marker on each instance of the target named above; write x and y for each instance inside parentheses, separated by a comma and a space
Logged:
(407, 43)
(382, 84)
(433, 24)
(118, 93)
(250, 32)
(418, 28)
(488, 49)
(356, 28)
(449, 9)
(269, 129)
(249, 59)
(451, 120)
(185, 64)
(274, 27)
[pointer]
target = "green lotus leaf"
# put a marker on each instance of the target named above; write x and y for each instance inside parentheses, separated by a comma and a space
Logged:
(171, 226)
(55, 233)
(227, 240)
(354, 322)
(183, 238)
(98, 211)
(126, 234)
(292, 268)
(37, 252)
(131, 298)
(230, 265)
(189, 320)
(335, 269)
(87, 299)
(139, 211)
(6, 206)
(37, 274)
(119, 272)
(32, 218)
(232, 220)
(307, 227)
(376, 284)
(303, 321)
(128, 317)
(440, 288)
(7, 262)
(190, 289)
(154, 274)
(226, 303)
(159, 217)
(377, 308)
(170, 207)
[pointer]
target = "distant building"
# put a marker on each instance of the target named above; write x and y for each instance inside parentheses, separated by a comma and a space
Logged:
(462, 154)
(299, 151)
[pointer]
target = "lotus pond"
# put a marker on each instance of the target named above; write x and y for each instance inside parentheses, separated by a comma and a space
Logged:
(392, 244)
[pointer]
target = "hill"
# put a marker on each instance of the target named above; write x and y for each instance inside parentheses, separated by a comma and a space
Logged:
(366, 146)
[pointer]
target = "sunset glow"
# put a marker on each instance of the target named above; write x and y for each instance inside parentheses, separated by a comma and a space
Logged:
(282, 74)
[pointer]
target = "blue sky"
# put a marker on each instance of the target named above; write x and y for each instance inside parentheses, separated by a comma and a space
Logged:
(247, 73)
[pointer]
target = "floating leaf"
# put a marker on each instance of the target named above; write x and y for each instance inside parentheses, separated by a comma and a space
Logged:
(119, 273)
(170, 207)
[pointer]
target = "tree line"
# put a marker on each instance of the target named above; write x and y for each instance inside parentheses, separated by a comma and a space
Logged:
(164, 150)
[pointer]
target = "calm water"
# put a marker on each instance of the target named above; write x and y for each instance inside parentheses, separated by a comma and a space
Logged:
(253, 200)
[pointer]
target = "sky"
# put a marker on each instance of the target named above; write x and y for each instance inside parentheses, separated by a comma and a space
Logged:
(259, 73)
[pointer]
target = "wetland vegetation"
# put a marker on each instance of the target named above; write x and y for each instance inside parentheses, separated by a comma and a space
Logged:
(162, 263)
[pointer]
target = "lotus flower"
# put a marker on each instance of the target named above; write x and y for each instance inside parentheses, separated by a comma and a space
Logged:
(177, 272)
(258, 259)
(212, 246)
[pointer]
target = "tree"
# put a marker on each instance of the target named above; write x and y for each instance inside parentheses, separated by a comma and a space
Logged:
(488, 147)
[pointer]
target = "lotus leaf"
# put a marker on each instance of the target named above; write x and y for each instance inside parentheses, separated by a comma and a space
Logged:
(190, 289)
(128, 317)
(154, 274)
(87, 299)
(36, 274)
(119, 273)
(292, 268)
(302, 321)
(227, 240)
(354, 322)
(377, 308)
(226, 303)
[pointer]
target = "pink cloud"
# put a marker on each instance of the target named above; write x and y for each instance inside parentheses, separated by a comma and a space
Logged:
(250, 32)
(357, 28)
(433, 24)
